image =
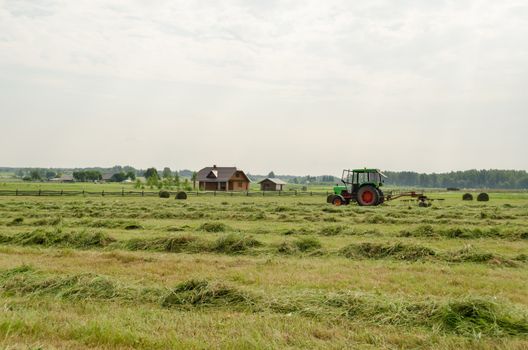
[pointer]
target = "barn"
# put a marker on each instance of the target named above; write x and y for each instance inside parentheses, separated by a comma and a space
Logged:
(272, 184)
(222, 179)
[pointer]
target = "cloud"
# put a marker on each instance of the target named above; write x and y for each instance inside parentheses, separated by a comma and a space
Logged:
(412, 66)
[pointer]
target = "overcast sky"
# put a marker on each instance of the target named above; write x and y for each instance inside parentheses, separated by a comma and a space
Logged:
(298, 87)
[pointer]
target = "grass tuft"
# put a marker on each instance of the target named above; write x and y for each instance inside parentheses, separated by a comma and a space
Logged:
(379, 251)
(202, 293)
(213, 227)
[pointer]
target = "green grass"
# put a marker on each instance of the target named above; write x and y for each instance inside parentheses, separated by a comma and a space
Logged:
(263, 272)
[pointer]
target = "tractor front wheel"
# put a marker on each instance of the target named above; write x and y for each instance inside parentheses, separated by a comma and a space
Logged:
(368, 196)
(338, 201)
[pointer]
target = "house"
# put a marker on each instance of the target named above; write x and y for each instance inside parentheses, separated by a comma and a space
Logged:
(222, 179)
(63, 178)
(271, 184)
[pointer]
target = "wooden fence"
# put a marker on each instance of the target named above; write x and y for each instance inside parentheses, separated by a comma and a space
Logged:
(123, 193)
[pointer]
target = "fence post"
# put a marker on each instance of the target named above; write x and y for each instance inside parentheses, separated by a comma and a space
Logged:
(62, 192)
(83, 193)
(311, 193)
(295, 192)
(16, 192)
(142, 193)
(122, 192)
(39, 192)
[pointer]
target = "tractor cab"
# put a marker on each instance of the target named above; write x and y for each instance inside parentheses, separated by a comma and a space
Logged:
(360, 185)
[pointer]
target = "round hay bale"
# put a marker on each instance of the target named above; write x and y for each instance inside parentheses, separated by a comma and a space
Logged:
(164, 194)
(467, 197)
(330, 198)
(483, 197)
(181, 195)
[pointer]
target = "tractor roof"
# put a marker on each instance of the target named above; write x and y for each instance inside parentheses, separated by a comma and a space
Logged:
(369, 170)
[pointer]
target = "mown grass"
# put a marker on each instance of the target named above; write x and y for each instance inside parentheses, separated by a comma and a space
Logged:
(397, 276)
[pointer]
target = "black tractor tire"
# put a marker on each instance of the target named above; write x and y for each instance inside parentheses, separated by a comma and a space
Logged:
(338, 201)
(330, 198)
(368, 196)
(381, 199)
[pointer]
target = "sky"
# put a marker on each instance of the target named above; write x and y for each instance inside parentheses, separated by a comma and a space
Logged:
(297, 87)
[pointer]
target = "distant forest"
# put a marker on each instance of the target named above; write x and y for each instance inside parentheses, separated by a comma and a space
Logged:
(500, 179)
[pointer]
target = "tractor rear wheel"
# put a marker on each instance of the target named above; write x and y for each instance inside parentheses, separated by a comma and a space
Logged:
(368, 196)
(338, 201)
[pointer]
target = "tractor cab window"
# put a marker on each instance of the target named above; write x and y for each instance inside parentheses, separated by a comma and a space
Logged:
(374, 177)
(362, 178)
(369, 177)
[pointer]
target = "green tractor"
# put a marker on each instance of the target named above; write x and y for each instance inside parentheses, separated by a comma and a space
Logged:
(359, 185)
(364, 187)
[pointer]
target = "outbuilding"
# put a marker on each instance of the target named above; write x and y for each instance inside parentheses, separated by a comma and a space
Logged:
(272, 184)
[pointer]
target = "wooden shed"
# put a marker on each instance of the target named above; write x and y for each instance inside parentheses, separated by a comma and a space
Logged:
(222, 179)
(272, 184)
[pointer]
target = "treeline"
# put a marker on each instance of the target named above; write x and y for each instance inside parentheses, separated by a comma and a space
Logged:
(500, 179)
(84, 174)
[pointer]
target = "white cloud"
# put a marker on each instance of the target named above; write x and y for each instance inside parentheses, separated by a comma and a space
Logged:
(414, 67)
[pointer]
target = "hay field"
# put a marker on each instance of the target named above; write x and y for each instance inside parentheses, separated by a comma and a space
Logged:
(262, 273)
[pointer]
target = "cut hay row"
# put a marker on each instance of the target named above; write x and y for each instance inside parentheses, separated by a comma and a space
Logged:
(462, 316)
(242, 244)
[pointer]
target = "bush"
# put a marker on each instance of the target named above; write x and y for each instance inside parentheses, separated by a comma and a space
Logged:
(164, 194)
(467, 197)
(483, 197)
(181, 195)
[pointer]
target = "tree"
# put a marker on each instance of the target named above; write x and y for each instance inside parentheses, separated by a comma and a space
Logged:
(151, 172)
(176, 180)
(193, 178)
(167, 173)
(131, 175)
(271, 175)
(118, 177)
(152, 181)
(35, 175)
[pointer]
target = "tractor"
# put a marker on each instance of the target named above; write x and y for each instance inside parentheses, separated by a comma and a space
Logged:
(364, 187)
